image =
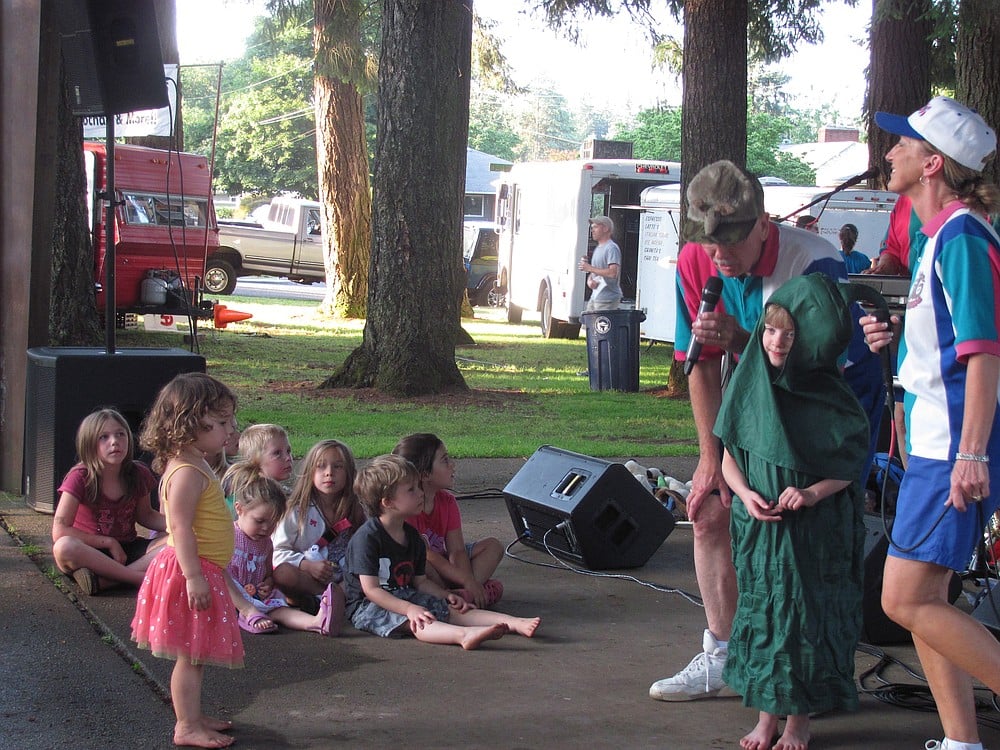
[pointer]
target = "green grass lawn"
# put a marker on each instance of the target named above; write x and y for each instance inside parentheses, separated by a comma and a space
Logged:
(524, 390)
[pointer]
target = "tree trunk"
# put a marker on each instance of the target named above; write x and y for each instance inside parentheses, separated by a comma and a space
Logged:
(341, 155)
(714, 79)
(416, 273)
(73, 305)
(899, 76)
(978, 64)
(714, 76)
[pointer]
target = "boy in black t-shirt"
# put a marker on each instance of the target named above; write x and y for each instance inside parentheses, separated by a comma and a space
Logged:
(387, 591)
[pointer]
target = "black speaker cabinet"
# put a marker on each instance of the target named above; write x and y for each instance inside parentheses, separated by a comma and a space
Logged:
(878, 629)
(111, 53)
(588, 511)
(65, 384)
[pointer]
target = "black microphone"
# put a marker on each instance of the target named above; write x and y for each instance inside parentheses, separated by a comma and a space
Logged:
(881, 314)
(873, 172)
(709, 299)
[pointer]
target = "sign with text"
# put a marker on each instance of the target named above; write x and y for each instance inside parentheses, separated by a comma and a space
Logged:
(145, 122)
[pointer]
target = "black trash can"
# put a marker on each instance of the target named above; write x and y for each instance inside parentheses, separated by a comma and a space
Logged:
(613, 349)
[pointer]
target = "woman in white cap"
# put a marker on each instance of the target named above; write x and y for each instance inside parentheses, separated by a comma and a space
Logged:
(949, 366)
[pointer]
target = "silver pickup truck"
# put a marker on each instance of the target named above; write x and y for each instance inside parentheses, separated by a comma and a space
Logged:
(288, 243)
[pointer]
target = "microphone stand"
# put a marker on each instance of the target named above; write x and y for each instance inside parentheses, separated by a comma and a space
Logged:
(827, 196)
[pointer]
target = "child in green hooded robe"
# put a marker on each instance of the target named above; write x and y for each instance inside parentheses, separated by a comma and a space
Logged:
(796, 440)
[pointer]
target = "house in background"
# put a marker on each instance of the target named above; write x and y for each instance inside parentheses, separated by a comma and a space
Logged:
(836, 156)
(480, 191)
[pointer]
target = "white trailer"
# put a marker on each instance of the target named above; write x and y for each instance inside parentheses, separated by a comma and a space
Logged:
(542, 217)
(659, 239)
(868, 210)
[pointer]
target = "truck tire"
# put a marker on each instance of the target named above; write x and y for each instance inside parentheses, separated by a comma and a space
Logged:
(220, 278)
(551, 329)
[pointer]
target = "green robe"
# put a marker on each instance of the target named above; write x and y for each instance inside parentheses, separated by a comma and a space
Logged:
(798, 615)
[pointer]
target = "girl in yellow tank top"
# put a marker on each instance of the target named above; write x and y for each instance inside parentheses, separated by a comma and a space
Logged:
(185, 609)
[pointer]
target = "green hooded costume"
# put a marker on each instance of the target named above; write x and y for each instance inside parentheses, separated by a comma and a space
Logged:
(798, 615)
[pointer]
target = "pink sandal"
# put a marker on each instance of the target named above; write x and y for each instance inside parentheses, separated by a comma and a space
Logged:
(331, 611)
(250, 623)
(493, 590)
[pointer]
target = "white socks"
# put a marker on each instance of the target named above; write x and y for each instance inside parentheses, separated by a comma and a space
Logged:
(956, 745)
(710, 644)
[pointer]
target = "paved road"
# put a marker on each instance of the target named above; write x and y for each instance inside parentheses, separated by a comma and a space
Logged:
(274, 288)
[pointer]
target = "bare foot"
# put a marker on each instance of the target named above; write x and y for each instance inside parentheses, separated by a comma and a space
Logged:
(796, 735)
(525, 626)
(216, 725)
(200, 736)
(763, 734)
(475, 637)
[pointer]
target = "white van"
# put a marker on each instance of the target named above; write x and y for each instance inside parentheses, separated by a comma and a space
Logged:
(659, 235)
(542, 216)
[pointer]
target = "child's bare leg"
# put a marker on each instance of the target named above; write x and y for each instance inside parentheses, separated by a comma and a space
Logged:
(486, 556)
(525, 626)
(295, 583)
(71, 554)
(469, 637)
(796, 735)
(296, 619)
(763, 734)
(192, 728)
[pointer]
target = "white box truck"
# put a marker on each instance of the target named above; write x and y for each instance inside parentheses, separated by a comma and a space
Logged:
(542, 217)
(659, 235)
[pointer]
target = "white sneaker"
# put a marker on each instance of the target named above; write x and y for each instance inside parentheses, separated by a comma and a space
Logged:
(701, 678)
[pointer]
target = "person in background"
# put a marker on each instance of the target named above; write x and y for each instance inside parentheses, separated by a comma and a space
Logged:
(734, 239)
(949, 367)
(855, 260)
(903, 232)
(807, 222)
(100, 501)
(604, 267)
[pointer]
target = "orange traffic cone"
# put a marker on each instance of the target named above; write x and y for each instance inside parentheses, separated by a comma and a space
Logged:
(223, 316)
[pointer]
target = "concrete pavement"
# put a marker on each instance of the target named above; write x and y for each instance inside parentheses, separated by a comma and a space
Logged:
(71, 677)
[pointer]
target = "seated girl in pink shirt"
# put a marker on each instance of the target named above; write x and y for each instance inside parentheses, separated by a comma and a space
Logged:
(451, 562)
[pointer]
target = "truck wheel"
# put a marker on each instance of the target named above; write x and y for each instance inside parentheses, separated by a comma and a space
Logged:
(551, 329)
(494, 297)
(220, 278)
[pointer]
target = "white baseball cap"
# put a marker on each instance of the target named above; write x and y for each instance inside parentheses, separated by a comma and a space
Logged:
(952, 128)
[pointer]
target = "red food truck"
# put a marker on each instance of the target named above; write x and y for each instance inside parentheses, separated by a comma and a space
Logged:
(165, 226)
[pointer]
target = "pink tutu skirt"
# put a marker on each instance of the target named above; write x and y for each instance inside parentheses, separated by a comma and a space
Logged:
(165, 625)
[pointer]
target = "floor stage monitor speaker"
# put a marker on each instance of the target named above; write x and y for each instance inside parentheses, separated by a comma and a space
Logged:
(587, 511)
